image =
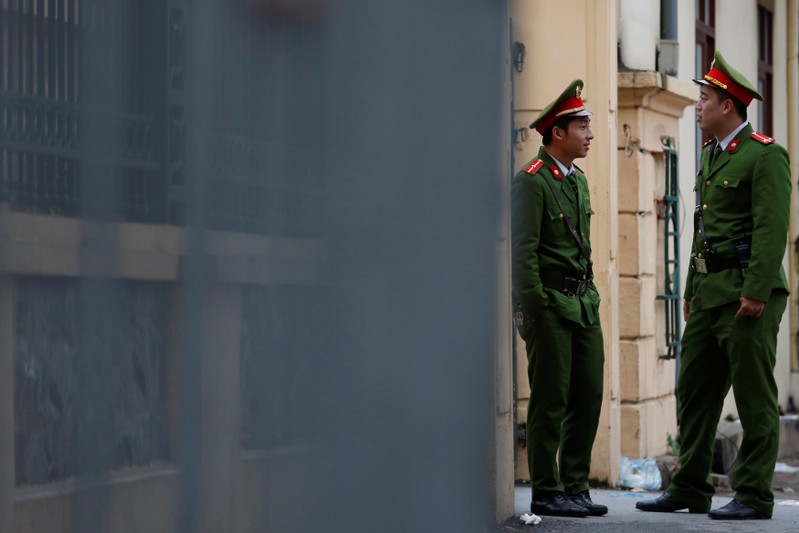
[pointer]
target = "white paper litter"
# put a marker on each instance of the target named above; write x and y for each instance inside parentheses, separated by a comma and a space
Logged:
(530, 519)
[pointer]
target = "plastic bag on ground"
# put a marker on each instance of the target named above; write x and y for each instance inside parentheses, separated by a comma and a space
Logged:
(640, 474)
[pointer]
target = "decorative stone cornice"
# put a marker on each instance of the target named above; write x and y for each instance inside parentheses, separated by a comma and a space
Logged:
(650, 105)
(655, 91)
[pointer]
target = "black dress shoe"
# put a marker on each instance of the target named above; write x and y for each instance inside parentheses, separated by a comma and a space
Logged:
(666, 503)
(583, 499)
(736, 510)
(557, 504)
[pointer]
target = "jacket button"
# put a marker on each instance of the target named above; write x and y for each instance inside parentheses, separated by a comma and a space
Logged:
(704, 206)
(707, 182)
(561, 215)
(726, 182)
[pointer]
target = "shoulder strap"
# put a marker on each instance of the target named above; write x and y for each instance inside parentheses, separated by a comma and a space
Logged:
(759, 137)
(534, 166)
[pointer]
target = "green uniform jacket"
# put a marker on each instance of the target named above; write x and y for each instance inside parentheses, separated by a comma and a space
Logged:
(541, 240)
(746, 192)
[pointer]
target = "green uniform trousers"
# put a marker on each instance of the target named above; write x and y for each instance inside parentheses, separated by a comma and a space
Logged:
(718, 352)
(565, 368)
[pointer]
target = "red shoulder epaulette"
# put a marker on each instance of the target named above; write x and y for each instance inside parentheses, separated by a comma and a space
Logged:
(759, 137)
(534, 167)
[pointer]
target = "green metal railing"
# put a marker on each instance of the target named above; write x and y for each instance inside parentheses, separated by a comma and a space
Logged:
(669, 213)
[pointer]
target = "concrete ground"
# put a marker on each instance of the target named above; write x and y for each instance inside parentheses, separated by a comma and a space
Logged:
(623, 516)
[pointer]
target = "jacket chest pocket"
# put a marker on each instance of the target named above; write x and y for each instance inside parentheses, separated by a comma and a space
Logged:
(558, 229)
(728, 182)
(728, 193)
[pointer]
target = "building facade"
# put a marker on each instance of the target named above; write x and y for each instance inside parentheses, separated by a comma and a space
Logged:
(637, 60)
(250, 263)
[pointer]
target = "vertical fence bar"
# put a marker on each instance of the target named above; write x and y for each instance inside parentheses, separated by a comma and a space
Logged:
(4, 22)
(52, 46)
(39, 43)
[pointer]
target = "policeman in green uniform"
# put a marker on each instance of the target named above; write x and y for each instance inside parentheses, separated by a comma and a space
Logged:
(735, 295)
(556, 309)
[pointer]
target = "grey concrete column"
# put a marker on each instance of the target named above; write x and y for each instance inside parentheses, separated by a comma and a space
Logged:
(6, 403)
(220, 394)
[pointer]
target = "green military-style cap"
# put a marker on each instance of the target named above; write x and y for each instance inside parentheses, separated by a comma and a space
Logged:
(569, 103)
(723, 76)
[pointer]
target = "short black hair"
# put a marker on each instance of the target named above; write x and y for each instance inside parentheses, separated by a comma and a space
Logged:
(562, 123)
(740, 108)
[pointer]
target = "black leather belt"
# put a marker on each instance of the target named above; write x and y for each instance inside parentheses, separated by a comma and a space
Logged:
(569, 285)
(705, 264)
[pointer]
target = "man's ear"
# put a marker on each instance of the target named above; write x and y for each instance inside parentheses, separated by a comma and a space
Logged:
(728, 106)
(558, 133)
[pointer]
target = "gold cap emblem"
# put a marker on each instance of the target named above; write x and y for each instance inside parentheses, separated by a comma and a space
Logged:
(578, 91)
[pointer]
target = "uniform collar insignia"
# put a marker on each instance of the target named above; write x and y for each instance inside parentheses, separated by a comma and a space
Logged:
(556, 172)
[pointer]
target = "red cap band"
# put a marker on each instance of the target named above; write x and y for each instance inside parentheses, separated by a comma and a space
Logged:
(568, 106)
(722, 81)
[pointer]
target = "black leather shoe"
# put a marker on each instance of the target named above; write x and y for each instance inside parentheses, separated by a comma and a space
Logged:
(583, 499)
(666, 503)
(557, 504)
(736, 510)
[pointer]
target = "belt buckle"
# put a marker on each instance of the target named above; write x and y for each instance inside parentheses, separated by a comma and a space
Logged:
(701, 265)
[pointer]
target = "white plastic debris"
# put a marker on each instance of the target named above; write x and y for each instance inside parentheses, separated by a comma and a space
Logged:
(530, 519)
(640, 474)
(785, 468)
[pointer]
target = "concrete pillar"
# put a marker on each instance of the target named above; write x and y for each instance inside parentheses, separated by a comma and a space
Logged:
(650, 106)
(7, 475)
(220, 400)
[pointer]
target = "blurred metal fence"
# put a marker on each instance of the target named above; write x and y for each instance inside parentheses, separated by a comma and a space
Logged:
(140, 139)
(248, 264)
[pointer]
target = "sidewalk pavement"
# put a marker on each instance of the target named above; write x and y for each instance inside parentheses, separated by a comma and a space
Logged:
(623, 516)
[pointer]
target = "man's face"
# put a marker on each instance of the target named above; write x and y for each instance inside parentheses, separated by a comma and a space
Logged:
(709, 109)
(576, 138)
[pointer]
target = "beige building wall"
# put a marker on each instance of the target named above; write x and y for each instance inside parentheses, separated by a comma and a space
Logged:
(625, 170)
(792, 144)
(650, 107)
(567, 40)
(687, 140)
